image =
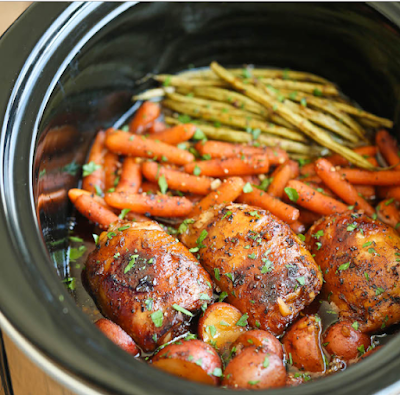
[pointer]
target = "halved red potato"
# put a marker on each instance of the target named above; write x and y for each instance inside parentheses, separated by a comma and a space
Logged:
(302, 344)
(344, 340)
(258, 338)
(117, 335)
(221, 325)
(255, 368)
(192, 360)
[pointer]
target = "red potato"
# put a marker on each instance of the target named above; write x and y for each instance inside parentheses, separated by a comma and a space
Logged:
(302, 344)
(118, 336)
(255, 369)
(342, 340)
(258, 338)
(192, 360)
(219, 326)
(368, 353)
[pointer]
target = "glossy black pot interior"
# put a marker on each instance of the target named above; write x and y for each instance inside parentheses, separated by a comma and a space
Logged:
(76, 64)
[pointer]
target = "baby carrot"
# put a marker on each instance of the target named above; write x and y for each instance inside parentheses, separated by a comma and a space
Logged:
(219, 150)
(307, 170)
(131, 177)
(388, 212)
(312, 200)
(394, 193)
(237, 166)
(280, 178)
(331, 177)
(298, 227)
(149, 187)
(94, 211)
(111, 164)
(294, 166)
(131, 145)
(227, 192)
(175, 135)
(157, 127)
(308, 217)
(366, 191)
(338, 160)
(94, 175)
(158, 205)
(176, 179)
(144, 117)
(388, 148)
(74, 193)
(262, 199)
(366, 177)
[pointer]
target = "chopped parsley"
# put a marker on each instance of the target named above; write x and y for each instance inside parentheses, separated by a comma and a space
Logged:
(182, 310)
(344, 266)
(247, 188)
(162, 183)
(131, 263)
(217, 274)
(292, 194)
(124, 212)
(157, 318)
(242, 320)
(197, 171)
(90, 168)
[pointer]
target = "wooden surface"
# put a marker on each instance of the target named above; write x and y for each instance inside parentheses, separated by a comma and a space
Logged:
(26, 377)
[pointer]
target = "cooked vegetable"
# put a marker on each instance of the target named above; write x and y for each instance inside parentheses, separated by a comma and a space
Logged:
(94, 211)
(313, 200)
(132, 145)
(74, 193)
(176, 179)
(258, 338)
(157, 127)
(254, 369)
(232, 166)
(175, 135)
(365, 177)
(227, 192)
(221, 325)
(388, 212)
(161, 206)
(388, 148)
(111, 166)
(302, 344)
(280, 178)
(144, 117)
(93, 172)
(131, 177)
(118, 336)
(347, 192)
(344, 340)
(192, 360)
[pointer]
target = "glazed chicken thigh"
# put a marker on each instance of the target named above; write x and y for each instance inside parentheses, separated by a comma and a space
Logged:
(360, 262)
(258, 261)
(142, 279)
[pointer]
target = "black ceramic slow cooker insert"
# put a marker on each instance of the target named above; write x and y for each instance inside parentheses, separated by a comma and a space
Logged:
(78, 65)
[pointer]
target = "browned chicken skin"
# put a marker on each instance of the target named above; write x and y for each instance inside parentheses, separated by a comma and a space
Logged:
(137, 274)
(360, 261)
(257, 259)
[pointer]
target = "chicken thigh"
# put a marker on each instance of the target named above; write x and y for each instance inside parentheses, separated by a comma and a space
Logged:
(258, 261)
(360, 262)
(146, 281)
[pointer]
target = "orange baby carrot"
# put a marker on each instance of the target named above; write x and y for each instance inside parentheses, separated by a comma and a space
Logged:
(388, 212)
(394, 193)
(149, 187)
(308, 217)
(93, 172)
(135, 217)
(366, 191)
(175, 135)
(298, 227)
(307, 170)
(131, 177)
(313, 200)
(262, 199)
(111, 165)
(176, 179)
(156, 127)
(331, 177)
(131, 145)
(227, 192)
(366, 177)
(338, 160)
(94, 211)
(158, 205)
(74, 193)
(280, 178)
(294, 166)
(144, 117)
(237, 166)
(315, 179)
(219, 150)
(388, 148)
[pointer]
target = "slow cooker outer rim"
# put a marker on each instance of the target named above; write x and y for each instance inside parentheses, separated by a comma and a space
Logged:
(167, 380)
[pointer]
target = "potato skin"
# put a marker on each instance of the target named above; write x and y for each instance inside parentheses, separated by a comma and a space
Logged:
(247, 370)
(368, 289)
(191, 359)
(225, 334)
(163, 271)
(118, 336)
(258, 338)
(261, 264)
(302, 341)
(343, 340)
